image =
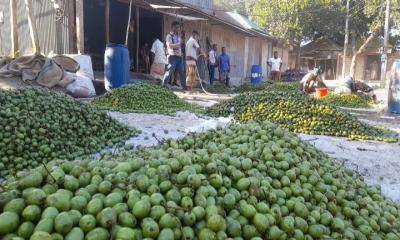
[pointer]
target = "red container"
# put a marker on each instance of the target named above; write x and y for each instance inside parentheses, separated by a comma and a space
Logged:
(321, 92)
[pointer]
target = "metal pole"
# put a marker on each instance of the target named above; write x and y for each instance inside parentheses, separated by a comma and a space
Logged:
(346, 39)
(385, 44)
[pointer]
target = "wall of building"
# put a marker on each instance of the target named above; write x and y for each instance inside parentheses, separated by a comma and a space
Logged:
(361, 65)
(235, 44)
(254, 55)
(54, 32)
(266, 48)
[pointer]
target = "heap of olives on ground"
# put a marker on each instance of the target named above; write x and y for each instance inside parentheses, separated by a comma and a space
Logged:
(144, 98)
(349, 100)
(38, 125)
(299, 113)
(252, 181)
(277, 86)
(220, 88)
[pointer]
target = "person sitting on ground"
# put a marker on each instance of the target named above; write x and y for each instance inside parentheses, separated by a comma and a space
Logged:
(349, 85)
(224, 66)
(312, 80)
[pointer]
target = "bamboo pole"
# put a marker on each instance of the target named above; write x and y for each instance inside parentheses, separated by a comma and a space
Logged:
(129, 23)
(32, 27)
(14, 29)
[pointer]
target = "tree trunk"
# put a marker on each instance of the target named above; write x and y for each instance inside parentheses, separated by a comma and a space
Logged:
(32, 27)
(361, 50)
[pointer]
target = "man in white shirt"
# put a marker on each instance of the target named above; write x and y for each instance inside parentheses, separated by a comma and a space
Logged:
(192, 52)
(157, 69)
(212, 63)
(174, 50)
(275, 64)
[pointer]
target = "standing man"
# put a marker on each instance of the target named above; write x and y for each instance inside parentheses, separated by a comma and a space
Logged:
(212, 63)
(275, 63)
(159, 59)
(174, 50)
(192, 52)
(224, 65)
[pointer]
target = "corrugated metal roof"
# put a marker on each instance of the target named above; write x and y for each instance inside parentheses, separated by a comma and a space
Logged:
(247, 23)
(321, 44)
(222, 17)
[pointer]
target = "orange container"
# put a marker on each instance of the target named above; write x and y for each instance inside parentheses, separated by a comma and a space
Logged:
(321, 92)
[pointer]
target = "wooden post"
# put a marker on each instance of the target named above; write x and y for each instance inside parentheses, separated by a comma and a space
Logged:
(32, 27)
(80, 42)
(107, 21)
(14, 29)
(137, 39)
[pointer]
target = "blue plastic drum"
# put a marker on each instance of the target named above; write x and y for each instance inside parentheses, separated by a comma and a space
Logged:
(256, 74)
(394, 88)
(116, 66)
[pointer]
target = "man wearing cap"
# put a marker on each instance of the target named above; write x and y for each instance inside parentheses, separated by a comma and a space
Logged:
(312, 80)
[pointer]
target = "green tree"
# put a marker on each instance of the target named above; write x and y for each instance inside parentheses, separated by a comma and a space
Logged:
(297, 20)
(294, 21)
(367, 18)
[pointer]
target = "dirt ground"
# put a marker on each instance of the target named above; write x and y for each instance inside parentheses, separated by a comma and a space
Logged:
(155, 127)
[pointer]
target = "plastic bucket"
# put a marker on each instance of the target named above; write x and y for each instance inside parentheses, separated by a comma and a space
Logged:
(116, 66)
(321, 92)
(256, 74)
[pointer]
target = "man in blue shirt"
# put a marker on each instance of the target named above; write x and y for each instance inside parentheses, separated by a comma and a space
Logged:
(224, 65)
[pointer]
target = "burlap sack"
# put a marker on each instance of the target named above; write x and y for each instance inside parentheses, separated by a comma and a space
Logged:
(50, 74)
